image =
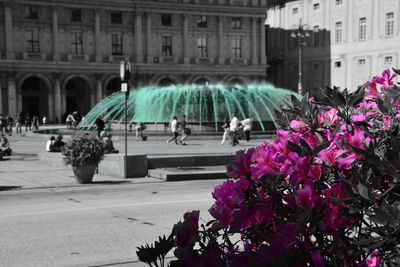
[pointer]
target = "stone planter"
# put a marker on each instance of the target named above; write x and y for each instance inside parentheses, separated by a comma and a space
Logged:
(84, 174)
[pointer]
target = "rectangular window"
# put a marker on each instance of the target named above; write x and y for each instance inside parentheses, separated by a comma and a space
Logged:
(166, 20)
(338, 64)
(202, 46)
(116, 17)
(339, 2)
(389, 24)
(361, 62)
(236, 47)
(315, 66)
(32, 41)
(76, 15)
(363, 29)
(202, 21)
(236, 23)
(316, 6)
(389, 60)
(338, 32)
(76, 42)
(167, 46)
(316, 35)
(116, 44)
(295, 11)
(32, 12)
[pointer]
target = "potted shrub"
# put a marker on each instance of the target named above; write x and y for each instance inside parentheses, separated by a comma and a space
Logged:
(83, 153)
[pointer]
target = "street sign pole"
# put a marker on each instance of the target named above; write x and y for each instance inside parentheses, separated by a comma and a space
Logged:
(125, 73)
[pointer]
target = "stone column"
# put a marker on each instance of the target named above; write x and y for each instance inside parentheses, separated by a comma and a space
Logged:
(12, 95)
(376, 18)
(50, 113)
(97, 35)
(262, 42)
(221, 58)
(2, 85)
(138, 38)
(58, 108)
(8, 26)
(254, 59)
(56, 55)
(185, 39)
(99, 87)
(149, 45)
(350, 20)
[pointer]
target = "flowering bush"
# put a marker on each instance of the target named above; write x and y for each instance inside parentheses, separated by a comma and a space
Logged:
(326, 192)
(83, 150)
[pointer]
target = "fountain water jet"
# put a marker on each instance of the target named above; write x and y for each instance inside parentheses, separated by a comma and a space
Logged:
(200, 103)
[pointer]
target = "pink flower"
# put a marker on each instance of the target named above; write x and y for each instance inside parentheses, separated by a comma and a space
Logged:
(330, 156)
(187, 231)
(386, 122)
(386, 80)
(317, 259)
(315, 171)
(298, 125)
(373, 259)
(358, 117)
(345, 163)
(241, 165)
(306, 198)
(330, 116)
(371, 91)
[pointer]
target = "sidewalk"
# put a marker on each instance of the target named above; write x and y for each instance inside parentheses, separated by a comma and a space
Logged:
(27, 173)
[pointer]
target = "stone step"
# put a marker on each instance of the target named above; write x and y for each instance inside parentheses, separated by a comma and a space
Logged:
(176, 161)
(189, 173)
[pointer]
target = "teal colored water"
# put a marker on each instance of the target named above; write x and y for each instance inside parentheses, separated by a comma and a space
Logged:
(200, 103)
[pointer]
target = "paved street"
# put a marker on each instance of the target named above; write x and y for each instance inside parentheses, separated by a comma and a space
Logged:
(46, 219)
(91, 226)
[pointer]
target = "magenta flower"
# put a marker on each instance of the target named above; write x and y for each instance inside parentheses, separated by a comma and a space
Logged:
(330, 156)
(371, 90)
(306, 198)
(317, 259)
(386, 123)
(358, 117)
(373, 259)
(386, 80)
(188, 230)
(241, 165)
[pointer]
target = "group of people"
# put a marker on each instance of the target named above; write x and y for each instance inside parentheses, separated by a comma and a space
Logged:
(30, 123)
(232, 128)
(177, 127)
(55, 144)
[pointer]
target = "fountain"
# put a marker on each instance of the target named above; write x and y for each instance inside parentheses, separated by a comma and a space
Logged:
(205, 105)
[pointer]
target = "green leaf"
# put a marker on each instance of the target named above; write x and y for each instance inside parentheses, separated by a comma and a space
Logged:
(295, 148)
(305, 145)
(397, 71)
(320, 147)
(363, 191)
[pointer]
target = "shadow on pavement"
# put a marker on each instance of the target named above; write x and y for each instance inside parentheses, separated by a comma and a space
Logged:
(11, 187)
(110, 182)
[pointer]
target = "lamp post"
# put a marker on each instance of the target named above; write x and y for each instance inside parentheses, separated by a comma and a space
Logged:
(300, 32)
(125, 74)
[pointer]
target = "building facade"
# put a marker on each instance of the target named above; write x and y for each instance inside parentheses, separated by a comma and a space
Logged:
(349, 41)
(60, 56)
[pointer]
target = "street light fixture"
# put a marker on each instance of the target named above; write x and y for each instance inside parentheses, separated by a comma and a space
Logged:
(125, 75)
(300, 32)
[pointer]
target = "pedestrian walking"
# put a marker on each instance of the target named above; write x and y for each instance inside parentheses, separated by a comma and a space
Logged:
(225, 127)
(44, 120)
(100, 125)
(18, 123)
(35, 122)
(10, 122)
(247, 125)
(174, 130)
(185, 130)
(233, 128)
(27, 122)
(139, 127)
